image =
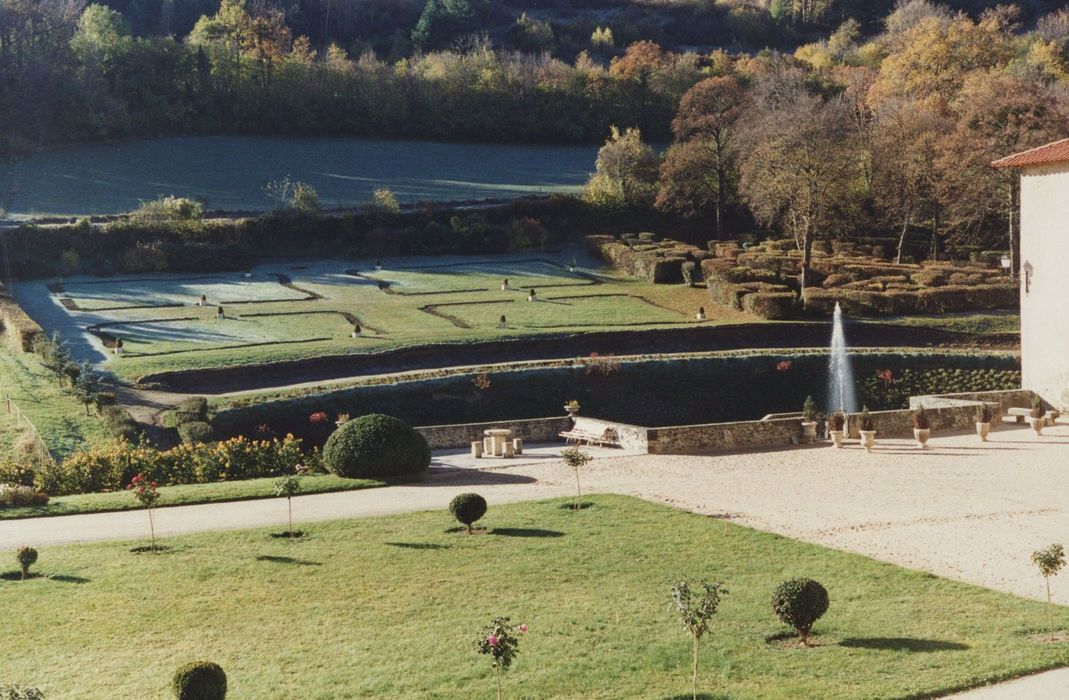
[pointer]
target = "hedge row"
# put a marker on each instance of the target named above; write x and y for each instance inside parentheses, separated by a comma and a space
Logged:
(739, 387)
(20, 330)
(900, 302)
(640, 257)
(111, 467)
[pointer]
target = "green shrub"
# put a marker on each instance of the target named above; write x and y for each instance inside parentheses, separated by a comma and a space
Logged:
(929, 278)
(799, 602)
(119, 423)
(688, 269)
(467, 508)
(192, 409)
(195, 432)
(376, 445)
(26, 557)
(104, 398)
(18, 692)
(199, 680)
(770, 305)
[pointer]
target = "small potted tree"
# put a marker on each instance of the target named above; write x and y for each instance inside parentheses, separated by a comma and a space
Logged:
(572, 407)
(1039, 415)
(983, 421)
(809, 420)
(837, 428)
(867, 429)
(921, 427)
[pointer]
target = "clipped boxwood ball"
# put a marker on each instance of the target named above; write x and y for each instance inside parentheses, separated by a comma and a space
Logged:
(374, 446)
(467, 508)
(799, 602)
(199, 680)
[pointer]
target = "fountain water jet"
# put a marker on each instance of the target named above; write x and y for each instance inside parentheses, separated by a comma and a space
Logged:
(841, 393)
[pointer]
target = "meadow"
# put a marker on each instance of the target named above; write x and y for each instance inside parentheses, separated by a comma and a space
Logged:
(391, 607)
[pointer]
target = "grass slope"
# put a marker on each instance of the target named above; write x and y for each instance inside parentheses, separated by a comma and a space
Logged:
(59, 416)
(184, 495)
(389, 607)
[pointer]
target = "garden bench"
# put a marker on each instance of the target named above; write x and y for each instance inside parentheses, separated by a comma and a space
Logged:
(609, 438)
(1020, 414)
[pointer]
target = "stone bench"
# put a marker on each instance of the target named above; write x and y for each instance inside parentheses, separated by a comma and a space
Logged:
(1020, 414)
(606, 439)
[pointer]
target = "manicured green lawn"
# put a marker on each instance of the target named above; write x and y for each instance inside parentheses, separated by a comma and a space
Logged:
(188, 494)
(280, 323)
(59, 416)
(974, 322)
(389, 608)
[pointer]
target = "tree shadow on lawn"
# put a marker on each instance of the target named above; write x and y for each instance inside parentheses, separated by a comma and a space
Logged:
(17, 576)
(524, 532)
(424, 545)
(701, 696)
(910, 644)
(470, 477)
(287, 560)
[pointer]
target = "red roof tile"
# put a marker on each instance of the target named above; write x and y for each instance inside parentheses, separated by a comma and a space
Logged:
(1057, 152)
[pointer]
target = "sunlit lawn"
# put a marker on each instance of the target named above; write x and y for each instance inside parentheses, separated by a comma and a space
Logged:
(389, 608)
(184, 495)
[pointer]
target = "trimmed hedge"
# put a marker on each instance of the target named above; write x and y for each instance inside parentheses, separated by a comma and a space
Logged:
(800, 602)
(199, 680)
(20, 329)
(119, 423)
(376, 445)
(467, 508)
(776, 306)
(195, 432)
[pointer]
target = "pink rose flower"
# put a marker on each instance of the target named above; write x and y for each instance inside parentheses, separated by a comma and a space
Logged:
(492, 640)
(523, 629)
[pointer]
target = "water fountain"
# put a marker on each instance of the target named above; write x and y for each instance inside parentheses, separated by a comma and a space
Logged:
(841, 393)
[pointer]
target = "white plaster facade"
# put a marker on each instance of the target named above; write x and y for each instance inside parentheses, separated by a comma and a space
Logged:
(1044, 274)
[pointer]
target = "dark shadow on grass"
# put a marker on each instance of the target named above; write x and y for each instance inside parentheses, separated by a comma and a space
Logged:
(63, 578)
(583, 505)
(17, 575)
(420, 545)
(295, 535)
(524, 532)
(701, 696)
(287, 560)
(148, 549)
(910, 644)
(457, 476)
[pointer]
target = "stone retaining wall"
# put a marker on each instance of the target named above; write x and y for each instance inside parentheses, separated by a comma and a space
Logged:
(718, 437)
(441, 437)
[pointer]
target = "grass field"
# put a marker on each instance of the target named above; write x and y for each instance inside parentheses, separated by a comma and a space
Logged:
(390, 607)
(59, 417)
(188, 494)
(302, 310)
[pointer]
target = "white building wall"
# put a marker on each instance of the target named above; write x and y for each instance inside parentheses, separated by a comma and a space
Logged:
(1045, 292)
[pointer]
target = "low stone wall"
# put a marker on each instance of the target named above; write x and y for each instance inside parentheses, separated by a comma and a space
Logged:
(441, 437)
(899, 423)
(718, 437)
(1017, 398)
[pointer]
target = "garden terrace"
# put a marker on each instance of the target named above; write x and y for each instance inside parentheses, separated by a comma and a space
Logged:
(764, 280)
(260, 610)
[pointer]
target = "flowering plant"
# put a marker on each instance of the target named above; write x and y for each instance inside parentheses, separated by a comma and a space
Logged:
(318, 417)
(784, 366)
(886, 376)
(147, 494)
(498, 640)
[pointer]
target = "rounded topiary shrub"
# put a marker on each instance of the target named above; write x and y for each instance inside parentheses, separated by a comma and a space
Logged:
(195, 431)
(799, 602)
(199, 680)
(467, 508)
(376, 445)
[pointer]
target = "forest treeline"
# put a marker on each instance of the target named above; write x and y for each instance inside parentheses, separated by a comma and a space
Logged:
(74, 71)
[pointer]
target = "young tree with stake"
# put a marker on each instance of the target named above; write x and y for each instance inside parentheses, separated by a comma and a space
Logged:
(576, 459)
(148, 495)
(696, 607)
(1050, 561)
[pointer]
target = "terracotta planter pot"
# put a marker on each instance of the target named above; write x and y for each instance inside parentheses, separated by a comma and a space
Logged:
(1037, 424)
(921, 435)
(837, 437)
(982, 429)
(809, 431)
(868, 439)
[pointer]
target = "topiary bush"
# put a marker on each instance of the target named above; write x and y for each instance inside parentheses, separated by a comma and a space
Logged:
(193, 409)
(199, 680)
(195, 432)
(376, 445)
(467, 508)
(26, 557)
(799, 602)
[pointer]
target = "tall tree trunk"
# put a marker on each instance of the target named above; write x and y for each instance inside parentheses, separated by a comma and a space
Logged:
(902, 238)
(807, 258)
(721, 177)
(933, 253)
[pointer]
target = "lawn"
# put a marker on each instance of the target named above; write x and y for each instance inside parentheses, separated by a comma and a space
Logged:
(390, 607)
(979, 322)
(186, 494)
(410, 302)
(61, 419)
